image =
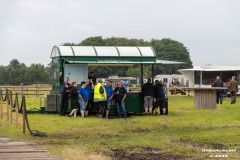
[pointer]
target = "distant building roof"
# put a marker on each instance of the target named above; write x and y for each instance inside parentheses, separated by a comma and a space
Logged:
(212, 68)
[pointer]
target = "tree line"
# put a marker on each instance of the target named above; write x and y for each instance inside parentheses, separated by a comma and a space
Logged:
(166, 49)
(16, 73)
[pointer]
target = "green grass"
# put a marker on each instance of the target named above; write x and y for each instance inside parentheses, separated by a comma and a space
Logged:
(184, 132)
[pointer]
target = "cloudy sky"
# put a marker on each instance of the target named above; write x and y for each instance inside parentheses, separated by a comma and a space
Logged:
(210, 29)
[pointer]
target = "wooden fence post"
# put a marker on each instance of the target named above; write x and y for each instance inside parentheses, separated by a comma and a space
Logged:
(1, 105)
(21, 90)
(16, 108)
(37, 90)
(11, 106)
(24, 112)
(7, 100)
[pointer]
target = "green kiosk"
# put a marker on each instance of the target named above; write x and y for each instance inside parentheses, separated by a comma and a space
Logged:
(73, 62)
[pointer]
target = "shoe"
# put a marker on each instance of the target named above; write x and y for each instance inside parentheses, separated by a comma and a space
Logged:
(69, 115)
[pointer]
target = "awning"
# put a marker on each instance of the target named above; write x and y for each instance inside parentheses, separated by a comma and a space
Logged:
(121, 63)
(108, 55)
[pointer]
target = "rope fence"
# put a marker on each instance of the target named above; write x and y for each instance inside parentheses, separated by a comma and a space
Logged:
(11, 104)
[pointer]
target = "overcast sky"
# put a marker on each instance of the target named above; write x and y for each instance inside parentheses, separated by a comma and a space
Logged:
(210, 29)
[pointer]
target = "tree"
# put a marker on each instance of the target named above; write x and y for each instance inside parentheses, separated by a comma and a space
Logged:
(167, 49)
(3, 74)
(37, 73)
(17, 72)
(93, 41)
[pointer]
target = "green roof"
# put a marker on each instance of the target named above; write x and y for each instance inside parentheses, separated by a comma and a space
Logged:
(108, 55)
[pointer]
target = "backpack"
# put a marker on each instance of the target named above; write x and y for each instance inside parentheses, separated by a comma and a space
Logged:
(101, 90)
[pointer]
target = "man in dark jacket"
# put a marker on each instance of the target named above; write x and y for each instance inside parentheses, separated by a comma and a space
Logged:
(233, 89)
(219, 83)
(147, 90)
(159, 95)
(92, 78)
(65, 88)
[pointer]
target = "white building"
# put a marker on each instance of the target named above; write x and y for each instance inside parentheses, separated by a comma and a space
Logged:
(205, 76)
(176, 78)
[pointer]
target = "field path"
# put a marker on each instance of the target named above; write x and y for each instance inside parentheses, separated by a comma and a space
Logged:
(23, 151)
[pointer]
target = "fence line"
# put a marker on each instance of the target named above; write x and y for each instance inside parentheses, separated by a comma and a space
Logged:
(34, 90)
(9, 101)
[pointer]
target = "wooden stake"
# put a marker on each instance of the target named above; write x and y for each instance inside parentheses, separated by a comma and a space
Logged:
(11, 106)
(7, 100)
(16, 109)
(23, 109)
(1, 108)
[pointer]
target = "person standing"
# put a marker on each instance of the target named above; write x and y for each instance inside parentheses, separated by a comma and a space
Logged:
(110, 95)
(100, 97)
(155, 108)
(89, 87)
(147, 90)
(165, 89)
(65, 88)
(92, 77)
(219, 83)
(159, 96)
(83, 97)
(74, 99)
(233, 89)
(120, 96)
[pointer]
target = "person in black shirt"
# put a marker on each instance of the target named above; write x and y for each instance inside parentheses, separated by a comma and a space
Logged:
(74, 94)
(147, 90)
(65, 88)
(120, 95)
(159, 95)
(219, 83)
(92, 78)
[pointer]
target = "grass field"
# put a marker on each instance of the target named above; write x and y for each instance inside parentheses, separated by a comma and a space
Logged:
(186, 133)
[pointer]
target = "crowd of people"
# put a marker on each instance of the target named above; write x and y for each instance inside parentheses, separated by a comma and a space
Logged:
(157, 93)
(92, 94)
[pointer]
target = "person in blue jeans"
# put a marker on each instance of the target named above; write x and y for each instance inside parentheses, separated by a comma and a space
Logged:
(120, 96)
(83, 97)
(110, 95)
(89, 87)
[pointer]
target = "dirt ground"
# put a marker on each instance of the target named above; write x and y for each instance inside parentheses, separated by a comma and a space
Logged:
(143, 154)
